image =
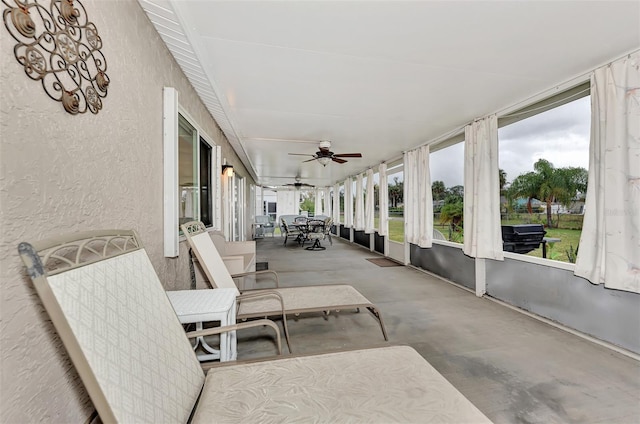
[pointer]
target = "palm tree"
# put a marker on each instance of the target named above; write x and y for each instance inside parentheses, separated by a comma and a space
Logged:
(549, 184)
(452, 211)
(503, 179)
(396, 193)
(438, 190)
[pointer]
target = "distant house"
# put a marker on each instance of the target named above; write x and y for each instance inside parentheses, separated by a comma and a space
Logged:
(520, 205)
(576, 208)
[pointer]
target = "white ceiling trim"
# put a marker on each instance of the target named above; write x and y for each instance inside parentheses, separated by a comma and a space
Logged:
(166, 21)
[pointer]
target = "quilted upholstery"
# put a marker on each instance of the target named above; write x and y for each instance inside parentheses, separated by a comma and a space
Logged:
(147, 376)
(385, 385)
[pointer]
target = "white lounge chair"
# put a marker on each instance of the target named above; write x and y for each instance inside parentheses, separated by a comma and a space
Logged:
(280, 301)
(126, 343)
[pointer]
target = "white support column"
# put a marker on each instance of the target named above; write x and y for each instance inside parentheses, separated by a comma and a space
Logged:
(407, 251)
(170, 179)
(481, 276)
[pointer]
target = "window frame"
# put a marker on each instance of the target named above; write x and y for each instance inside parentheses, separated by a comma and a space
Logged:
(568, 93)
(171, 122)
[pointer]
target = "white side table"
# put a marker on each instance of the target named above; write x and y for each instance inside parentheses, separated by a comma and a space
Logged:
(198, 306)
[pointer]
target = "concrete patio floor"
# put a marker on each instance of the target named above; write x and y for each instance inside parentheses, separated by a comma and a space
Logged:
(514, 368)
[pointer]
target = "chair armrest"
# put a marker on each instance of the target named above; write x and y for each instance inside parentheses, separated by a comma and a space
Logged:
(240, 326)
(244, 274)
(263, 293)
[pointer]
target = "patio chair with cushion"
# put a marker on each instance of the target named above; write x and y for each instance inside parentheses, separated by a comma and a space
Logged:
(101, 290)
(290, 231)
(316, 234)
(294, 300)
(328, 223)
(288, 219)
(263, 225)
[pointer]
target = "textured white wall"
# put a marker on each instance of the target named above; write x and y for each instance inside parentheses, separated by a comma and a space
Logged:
(62, 173)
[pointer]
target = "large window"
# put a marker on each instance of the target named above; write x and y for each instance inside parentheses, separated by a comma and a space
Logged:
(543, 173)
(341, 196)
(194, 175)
(237, 196)
(190, 183)
(447, 189)
(395, 180)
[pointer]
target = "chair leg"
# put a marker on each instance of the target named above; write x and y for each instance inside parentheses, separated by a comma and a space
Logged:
(286, 331)
(376, 314)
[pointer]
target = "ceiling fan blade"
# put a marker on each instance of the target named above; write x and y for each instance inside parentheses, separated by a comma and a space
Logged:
(348, 155)
(300, 154)
(309, 160)
(335, 159)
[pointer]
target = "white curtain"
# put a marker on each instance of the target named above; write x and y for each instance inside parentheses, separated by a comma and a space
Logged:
(359, 219)
(286, 203)
(609, 250)
(482, 227)
(336, 204)
(318, 202)
(417, 199)
(327, 201)
(369, 207)
(348, 202)
(383, 203)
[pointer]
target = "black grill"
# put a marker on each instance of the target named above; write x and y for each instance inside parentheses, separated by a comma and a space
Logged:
(522, 238)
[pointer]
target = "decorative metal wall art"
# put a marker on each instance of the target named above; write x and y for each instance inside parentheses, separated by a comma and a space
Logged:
(58, 46)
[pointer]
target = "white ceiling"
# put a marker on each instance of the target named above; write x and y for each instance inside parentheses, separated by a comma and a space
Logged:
(376, 77)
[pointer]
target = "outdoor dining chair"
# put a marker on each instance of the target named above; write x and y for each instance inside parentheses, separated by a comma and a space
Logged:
(291, 231)
(316, 233)
(263, 226)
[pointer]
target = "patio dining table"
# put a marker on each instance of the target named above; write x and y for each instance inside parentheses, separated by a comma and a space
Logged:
(305, 227)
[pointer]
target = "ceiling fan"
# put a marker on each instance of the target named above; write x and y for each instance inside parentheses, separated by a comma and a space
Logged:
(324, 155)
(299, 185)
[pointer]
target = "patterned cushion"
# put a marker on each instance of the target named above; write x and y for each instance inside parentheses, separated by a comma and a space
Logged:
(133, 341)
(386, 385)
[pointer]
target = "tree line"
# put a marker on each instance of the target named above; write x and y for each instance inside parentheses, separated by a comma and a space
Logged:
(545, 183)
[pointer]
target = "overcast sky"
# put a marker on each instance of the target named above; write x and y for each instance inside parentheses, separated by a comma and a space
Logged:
(560, 135)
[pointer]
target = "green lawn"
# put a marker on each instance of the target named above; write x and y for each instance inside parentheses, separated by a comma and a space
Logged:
(559, 251)
(570, 238)
(396, 229)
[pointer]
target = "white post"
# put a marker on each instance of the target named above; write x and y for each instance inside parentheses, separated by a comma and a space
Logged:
(481, 276)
